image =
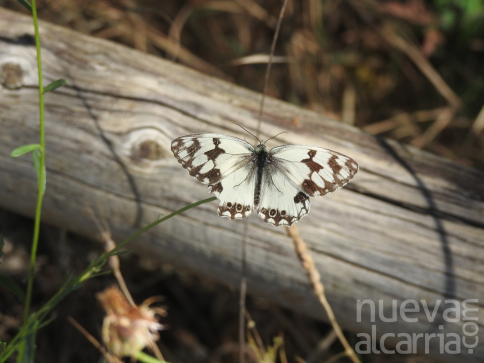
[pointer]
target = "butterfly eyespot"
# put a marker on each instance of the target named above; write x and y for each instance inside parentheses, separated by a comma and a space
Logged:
(283, 213)
(263, 210)
(239, 207)
(273, 213)
(229, 205)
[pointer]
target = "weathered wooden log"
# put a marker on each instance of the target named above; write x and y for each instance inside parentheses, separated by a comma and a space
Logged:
(410, 225)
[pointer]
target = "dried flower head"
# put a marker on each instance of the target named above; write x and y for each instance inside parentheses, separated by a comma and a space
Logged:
(127, 329)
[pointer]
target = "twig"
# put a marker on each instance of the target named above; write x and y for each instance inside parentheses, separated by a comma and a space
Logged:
(177, 27)
(349, 105)
(255, 334)
(114, 263)
(431, 133)
(322, 347)
(335, 357)
(258, 12)
(243, 295)
(269, 65)
(424, 65)
(181, 53)
(109, 245)
(478, 125)
(110, 358)
(315, 279)
(473, 135)
(138, 26)
(403, 118)
(157, 351)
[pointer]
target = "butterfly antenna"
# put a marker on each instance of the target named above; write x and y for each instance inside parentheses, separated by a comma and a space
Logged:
(283, 132)
(269, 65)
(247, 131)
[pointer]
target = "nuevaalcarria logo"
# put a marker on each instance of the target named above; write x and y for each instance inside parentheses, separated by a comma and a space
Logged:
(411, 311)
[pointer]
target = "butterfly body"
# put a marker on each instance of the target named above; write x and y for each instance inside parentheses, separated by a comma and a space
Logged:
(261, 158)
(278, 183)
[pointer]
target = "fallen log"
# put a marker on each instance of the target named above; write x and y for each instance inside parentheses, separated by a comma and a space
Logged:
(410, 225)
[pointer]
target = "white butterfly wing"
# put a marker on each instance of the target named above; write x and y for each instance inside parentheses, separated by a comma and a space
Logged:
(236, 192)
(295, 173)
(225, 163)
(281, 202)
(314, 170)
(210, 157)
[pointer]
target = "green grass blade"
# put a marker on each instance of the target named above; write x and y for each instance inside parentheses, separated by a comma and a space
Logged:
(119, 253)
(25, 4)
(155, 223)
(29, 346)
(39, 160)
(143, 357)
(21, 150)
(54, 85)
(47, 322)
(38, 169)
(102, 273)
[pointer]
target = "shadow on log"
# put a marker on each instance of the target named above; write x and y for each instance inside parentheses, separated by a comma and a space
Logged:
(410, 225)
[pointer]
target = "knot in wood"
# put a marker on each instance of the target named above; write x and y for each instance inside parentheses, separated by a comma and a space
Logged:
(149, 149)
(146, 146)
(11, 75)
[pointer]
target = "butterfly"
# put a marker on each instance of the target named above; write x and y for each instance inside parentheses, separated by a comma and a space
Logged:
(278, 182)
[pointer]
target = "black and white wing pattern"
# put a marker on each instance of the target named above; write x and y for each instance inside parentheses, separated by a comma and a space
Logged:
(315, 170)
(296, 172)
(225, 164)
(278, 182)
(282, 203)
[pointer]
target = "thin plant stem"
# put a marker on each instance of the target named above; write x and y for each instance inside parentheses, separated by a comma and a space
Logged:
(318, 288)
(143, 357)
(243, 294)
(158, 221)
(335, 357)
(243, 277)
(86, 274)
(40, 182)
(269, 66)
(89, 337)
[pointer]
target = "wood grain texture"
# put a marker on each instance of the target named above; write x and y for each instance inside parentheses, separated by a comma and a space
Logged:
(410, 225)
